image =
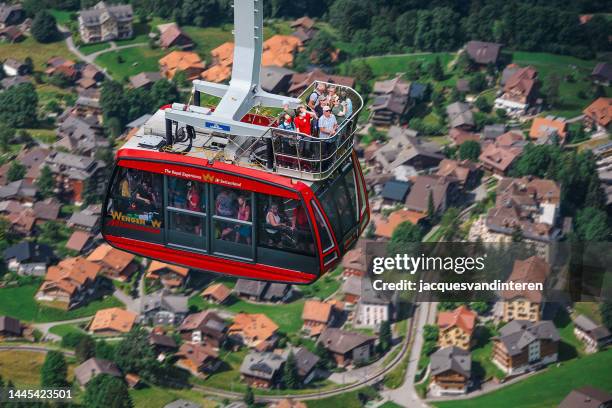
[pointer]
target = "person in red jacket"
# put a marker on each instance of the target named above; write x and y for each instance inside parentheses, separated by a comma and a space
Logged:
(303, 121)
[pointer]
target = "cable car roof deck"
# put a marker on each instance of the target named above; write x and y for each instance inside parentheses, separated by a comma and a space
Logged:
(254, 141)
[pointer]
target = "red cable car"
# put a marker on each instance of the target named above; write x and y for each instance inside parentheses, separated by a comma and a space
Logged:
(223, 190)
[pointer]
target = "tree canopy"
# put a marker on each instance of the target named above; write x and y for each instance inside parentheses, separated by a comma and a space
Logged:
(469, 150)
(54, 370)
(19, 105)
(44, 27)
(105, 391)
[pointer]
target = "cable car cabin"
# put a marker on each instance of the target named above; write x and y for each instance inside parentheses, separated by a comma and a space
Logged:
(283, 206)
(228, 189)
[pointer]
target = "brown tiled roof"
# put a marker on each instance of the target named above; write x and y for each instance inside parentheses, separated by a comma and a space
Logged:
(255, 326)
(522, 82)
(533, 269)
(483, 52)
(457, 169)
(47, 210)
(217, 73)
(156, 266)
(218, 291)
(461, 317)
(600, 111)
(461, 136)
(499, 157)
(509, 139)
(197, 353)
(303, 80)
(385, 227)
(111, 257)
(541, 126)
(181, 61)
(305, 22)
(114, 319)
(170, 34)
(280, 49)
(317, 311)
(418, 198)
(70, 274)
(77, 240)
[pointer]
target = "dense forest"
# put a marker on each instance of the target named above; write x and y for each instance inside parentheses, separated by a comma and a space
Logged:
(381, 26)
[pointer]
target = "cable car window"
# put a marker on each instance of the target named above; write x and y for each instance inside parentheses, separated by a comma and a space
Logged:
(349, 180)
(134, 208)
(186, 213)
(186, 194)
(326, 239)
(233, 222)
(340, 202)
(283, 225)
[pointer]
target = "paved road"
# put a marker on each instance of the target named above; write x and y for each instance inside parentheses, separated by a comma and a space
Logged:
(131, 304)
(36, 349)
(45, 327)
(91, 57)
(406, 395)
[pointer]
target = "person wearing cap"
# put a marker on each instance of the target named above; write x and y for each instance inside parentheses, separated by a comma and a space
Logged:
(327, 128)
(327, 123)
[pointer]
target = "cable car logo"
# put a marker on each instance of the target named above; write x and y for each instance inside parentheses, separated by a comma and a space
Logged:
(217, 126)
(121, 220)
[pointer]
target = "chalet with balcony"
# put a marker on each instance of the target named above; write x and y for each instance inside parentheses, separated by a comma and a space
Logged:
(347, 347)
(70, 283)
(524, 346)
(116, 264)
(450, 371)
(204, 327)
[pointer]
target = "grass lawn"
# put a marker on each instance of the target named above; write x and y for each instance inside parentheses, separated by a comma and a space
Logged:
(395, 377)
(390, 404)
(547, 389)
(135, 60)
(61, 16)
(589, 309)
(288, 316)
(156, 397)
(23, 367)
(482, 364)
(39, 53)
(569, 346)
(19, 302)
(48, 92)
(44, 135)
(389, 65)
(227, 377)
(562, 65)
(64, 329)
(344, 400)
(91, 48)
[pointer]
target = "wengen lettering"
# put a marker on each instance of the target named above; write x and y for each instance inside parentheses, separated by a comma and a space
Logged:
(118, 216)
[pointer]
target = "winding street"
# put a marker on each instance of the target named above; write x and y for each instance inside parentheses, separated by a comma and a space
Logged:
(90, 59)
(406, 395)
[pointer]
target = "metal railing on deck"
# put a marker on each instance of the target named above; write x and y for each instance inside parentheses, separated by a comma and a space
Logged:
(310, 157)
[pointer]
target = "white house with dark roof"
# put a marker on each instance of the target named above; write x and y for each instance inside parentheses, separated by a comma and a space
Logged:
(593, 335)
(106, 22)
